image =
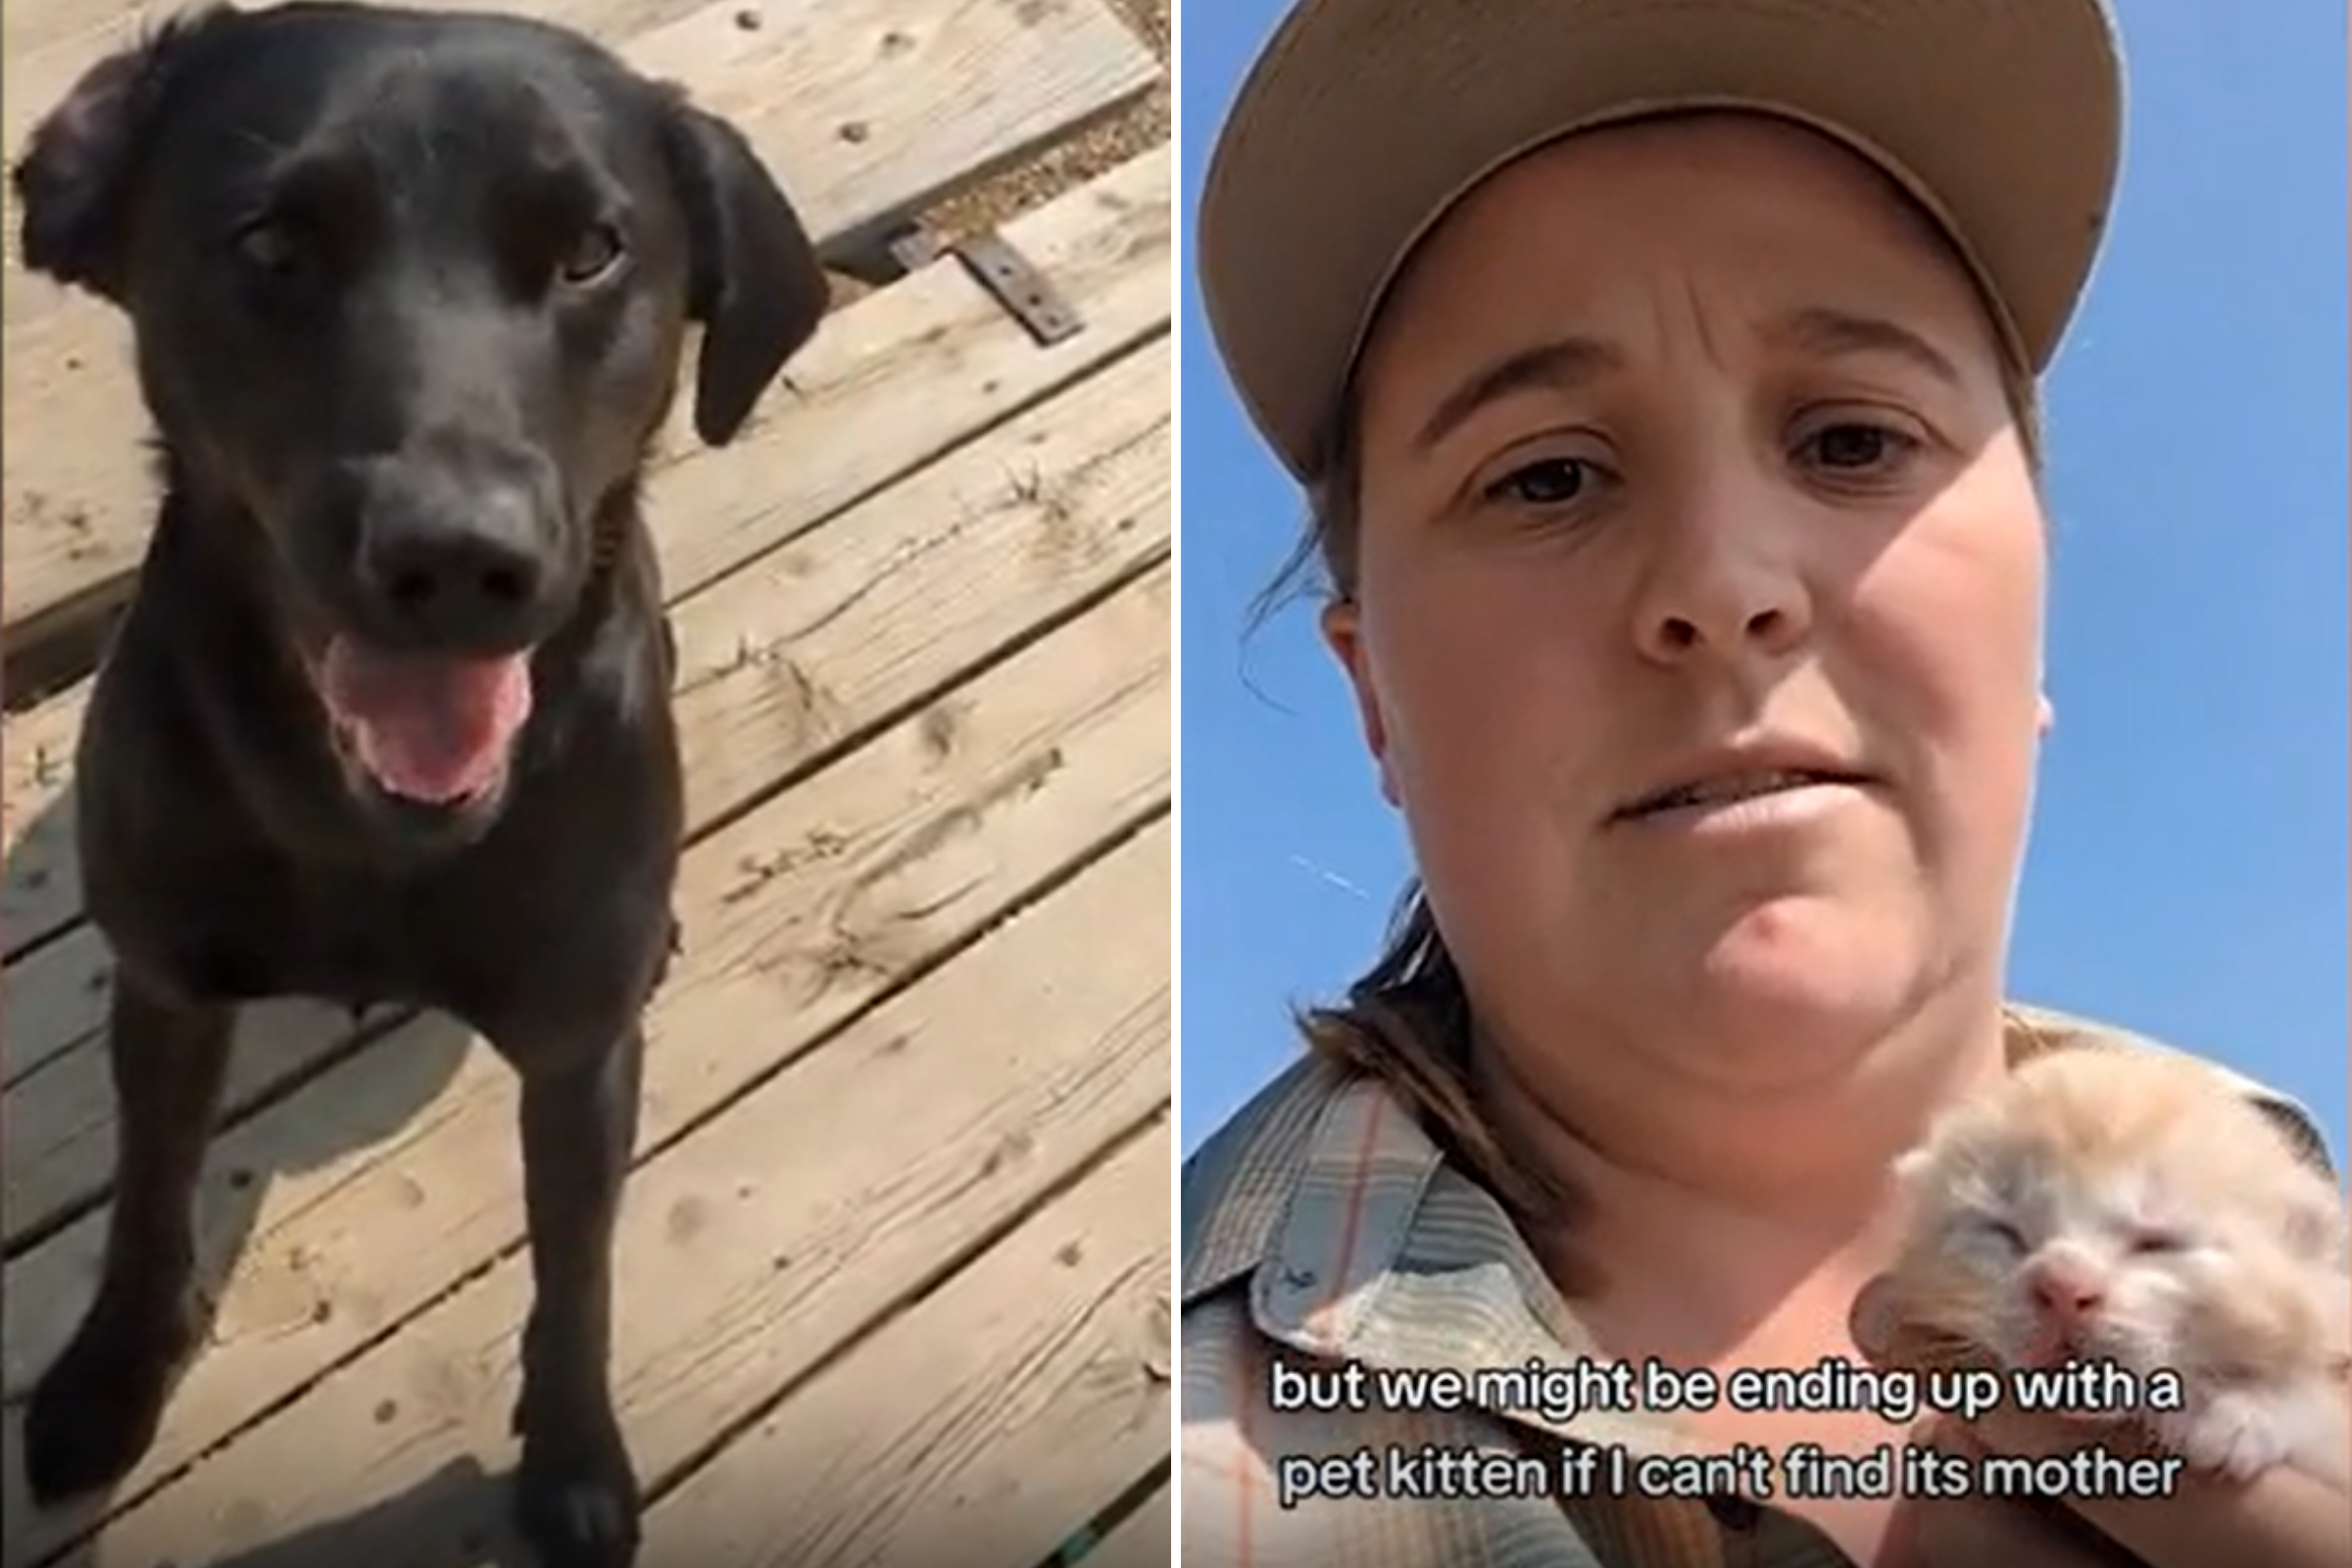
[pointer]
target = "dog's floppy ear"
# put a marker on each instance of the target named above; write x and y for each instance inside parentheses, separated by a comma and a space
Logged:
(74, 180)
(758, 287)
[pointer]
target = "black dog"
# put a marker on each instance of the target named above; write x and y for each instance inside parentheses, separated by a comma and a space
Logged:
(388, 717)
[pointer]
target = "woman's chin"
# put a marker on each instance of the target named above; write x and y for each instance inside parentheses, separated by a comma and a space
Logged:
(1788, 990)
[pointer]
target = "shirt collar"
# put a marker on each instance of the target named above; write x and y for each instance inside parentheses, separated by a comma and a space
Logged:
(1361, 1241)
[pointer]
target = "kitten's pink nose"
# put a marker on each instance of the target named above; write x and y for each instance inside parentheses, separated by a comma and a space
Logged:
(2066, 1291)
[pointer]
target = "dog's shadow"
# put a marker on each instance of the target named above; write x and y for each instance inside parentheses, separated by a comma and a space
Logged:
(436, 1522)
(439, 1521)
(335, 1115)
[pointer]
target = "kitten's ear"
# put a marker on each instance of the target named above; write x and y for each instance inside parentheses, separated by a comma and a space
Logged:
(2292, 1124)
(80, 164)
(2315, 1220)
(756, 284)
(2313, 1226)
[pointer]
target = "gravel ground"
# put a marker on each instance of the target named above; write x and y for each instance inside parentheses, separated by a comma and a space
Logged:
(1141, 129)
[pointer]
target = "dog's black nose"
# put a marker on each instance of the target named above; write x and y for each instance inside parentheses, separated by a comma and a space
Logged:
(450, 581)
(456, 560)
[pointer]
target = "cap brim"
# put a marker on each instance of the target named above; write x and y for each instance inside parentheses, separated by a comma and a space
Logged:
(1364, 121)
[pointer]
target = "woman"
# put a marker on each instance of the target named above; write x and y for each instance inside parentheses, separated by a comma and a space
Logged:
(1662, 380)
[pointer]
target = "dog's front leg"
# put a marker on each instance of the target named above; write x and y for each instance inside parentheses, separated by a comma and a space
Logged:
(94, 1413)
(576, 1493)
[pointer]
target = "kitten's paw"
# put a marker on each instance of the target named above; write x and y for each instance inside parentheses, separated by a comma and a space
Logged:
(2232, 1433)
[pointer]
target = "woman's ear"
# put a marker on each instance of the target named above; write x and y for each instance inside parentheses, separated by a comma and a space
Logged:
(2046, 717)
(1343, 633)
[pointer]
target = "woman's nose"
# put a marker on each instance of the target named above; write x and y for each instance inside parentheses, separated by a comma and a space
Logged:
(1726, 581)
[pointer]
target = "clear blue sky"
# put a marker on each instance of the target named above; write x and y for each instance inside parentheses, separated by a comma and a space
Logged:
(2188, 867)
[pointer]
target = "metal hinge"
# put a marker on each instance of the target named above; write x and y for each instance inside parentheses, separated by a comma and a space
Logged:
(1010, 278)
(1015, 283)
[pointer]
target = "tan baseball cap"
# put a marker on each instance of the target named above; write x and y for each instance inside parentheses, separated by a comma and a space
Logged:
(1364, 121)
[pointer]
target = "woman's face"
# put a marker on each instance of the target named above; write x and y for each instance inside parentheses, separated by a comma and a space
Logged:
(1686, 464)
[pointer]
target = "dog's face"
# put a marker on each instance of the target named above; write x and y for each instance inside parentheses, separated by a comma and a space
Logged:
(409, 292)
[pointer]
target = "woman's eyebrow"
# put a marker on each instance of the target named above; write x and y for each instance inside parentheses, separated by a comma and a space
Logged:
(1559, 365)
(1565, 363)
(1829, 333)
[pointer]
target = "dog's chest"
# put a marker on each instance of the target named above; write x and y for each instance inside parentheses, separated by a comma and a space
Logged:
(348, 959)
(357, 944)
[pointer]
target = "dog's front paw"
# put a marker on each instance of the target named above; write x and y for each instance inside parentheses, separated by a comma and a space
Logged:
(576, 1496)
(2234, 1434)
(94, 1413)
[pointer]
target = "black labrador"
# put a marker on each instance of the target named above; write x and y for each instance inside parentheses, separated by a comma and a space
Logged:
(388, 717)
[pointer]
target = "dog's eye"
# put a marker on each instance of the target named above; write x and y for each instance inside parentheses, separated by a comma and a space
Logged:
(272, 245)
(594, 253)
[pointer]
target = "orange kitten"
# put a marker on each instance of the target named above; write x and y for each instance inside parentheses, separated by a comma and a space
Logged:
(2137, 1209)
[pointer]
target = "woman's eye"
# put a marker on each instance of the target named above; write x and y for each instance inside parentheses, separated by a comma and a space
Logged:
(1858, 446)
(1552, 483)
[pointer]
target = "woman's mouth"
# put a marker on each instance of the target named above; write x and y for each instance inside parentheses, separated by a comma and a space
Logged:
(1731, 789)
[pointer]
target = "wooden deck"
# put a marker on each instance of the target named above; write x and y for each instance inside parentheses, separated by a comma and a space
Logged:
(895, 1264)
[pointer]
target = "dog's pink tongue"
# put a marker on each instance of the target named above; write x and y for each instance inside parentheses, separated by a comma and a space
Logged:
(431, 728)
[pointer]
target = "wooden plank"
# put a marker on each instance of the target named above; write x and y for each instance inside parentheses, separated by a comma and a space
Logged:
(1145, 1539)
(887, 607)
(52, 42)
(851, 428)
(877, 610)
(40, 889)
(60, 1147)
(918, 844)
(868, 110)
(779, 1232)
(983, 1425)
(52, 1002)
(29, 27)
(889, 603)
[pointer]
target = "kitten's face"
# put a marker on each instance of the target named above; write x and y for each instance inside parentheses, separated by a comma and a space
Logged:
(2127, 1210)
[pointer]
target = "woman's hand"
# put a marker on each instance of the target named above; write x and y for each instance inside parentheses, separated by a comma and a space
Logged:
(2284, 1518)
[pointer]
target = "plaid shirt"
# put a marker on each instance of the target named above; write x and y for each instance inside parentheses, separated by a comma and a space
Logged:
(1323, 1226)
